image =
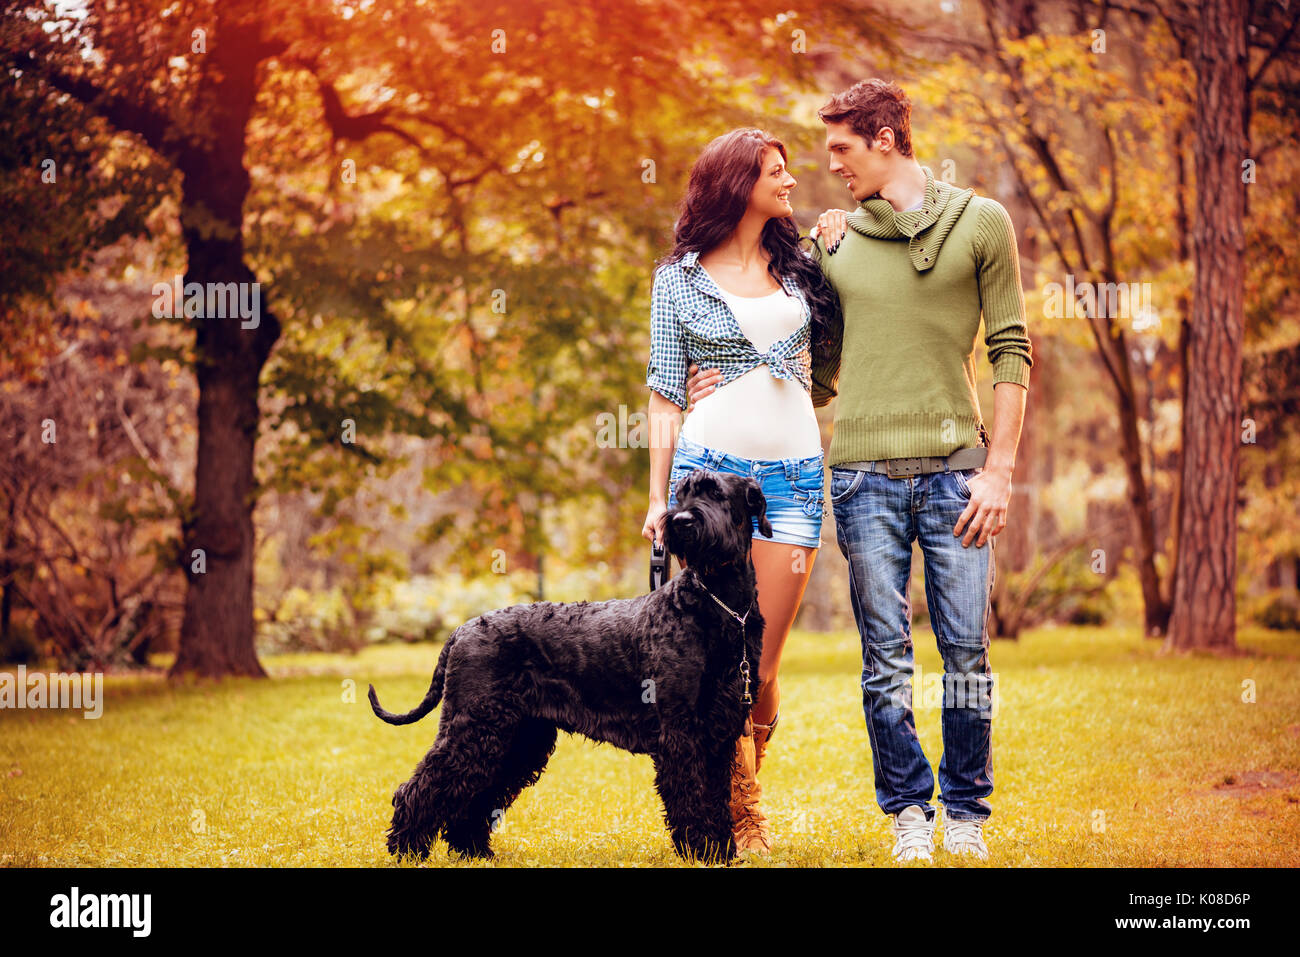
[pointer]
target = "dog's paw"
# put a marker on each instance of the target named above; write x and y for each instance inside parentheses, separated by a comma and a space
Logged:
(473, 854)
(407, 852)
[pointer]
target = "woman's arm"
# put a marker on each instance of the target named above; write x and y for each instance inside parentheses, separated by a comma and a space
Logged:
(665, 375)
(665, 420)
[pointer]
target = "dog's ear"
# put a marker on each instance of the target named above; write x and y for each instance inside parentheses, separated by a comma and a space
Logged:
(756, 502)
(684, 483)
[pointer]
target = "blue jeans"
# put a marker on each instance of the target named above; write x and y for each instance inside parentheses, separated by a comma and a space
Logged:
(876, 520)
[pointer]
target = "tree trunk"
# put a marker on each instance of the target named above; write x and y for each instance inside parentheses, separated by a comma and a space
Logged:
(7, 571)
(1204, 611)
(217, 636)
(1017, 544)
(1155, 610)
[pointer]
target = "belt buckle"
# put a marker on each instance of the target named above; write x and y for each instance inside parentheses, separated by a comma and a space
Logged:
(903, 468)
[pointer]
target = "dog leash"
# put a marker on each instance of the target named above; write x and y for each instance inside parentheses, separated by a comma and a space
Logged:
(658, 565)
(744, 653)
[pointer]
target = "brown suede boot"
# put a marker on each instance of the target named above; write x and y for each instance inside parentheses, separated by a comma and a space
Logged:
(763, 734)
(749, 824)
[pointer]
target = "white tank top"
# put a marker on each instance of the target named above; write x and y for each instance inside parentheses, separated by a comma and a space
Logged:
(757, 415)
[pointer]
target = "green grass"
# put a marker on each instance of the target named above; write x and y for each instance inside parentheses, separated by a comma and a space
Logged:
(1106, 753)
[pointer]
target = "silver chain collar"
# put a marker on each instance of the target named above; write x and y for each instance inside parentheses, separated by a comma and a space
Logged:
(744, 652)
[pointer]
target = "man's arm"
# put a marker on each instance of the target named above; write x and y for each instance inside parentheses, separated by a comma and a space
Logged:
(1006, 333)
(1008, 417)
(1002, 300)
(990, 491)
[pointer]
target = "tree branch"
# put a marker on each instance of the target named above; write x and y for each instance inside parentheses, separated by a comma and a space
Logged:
(1277, 48)
(129, 116)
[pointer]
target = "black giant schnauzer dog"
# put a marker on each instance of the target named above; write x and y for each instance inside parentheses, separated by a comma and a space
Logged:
(666, 674)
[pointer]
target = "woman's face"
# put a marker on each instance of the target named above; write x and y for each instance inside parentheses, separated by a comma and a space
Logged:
(771, 195)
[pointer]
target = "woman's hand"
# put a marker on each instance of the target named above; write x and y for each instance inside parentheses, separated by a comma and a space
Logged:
(831, 226)
(653, 529)
(701, 384)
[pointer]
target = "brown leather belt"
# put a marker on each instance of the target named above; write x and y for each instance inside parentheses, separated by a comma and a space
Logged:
(923, 465)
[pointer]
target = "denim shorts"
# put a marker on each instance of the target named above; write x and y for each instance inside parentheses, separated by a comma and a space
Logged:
(794, 488)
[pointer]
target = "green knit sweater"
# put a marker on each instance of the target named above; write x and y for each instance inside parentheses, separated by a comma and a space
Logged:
(912, 286)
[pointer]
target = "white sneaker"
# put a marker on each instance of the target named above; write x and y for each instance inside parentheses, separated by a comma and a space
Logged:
(913, 835)
(965, 837)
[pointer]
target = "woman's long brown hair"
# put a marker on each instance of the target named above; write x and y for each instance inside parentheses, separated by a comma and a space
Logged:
(717, 195)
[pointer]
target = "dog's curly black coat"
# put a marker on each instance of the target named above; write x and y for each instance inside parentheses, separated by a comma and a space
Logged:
(658, 675)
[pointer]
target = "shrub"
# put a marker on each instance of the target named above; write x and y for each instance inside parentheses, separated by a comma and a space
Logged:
(1278, 610)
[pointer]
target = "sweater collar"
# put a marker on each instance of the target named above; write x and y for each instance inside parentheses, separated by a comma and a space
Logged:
(924, 229)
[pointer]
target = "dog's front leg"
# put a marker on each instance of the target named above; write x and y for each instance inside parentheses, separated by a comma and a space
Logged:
(694, 786)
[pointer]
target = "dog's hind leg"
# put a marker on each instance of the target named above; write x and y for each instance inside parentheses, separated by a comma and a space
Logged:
(525, 761)
(476, 766)
(419, 805)
(522, 765)
(694, 787)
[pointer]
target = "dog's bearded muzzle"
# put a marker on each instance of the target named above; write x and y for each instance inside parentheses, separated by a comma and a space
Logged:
(712, 522)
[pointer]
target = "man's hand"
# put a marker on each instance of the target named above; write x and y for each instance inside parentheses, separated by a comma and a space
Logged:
(986, 512)
(700, 384)
(831, 226)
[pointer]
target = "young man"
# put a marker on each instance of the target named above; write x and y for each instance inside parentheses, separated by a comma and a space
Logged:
(910, 458)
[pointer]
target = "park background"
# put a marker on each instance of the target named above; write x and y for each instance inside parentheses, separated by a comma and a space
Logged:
(453, 211)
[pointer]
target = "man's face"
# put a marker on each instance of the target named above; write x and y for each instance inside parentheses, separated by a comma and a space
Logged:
(861, 164)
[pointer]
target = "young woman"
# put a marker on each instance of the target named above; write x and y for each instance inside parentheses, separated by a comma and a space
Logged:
(737, 293)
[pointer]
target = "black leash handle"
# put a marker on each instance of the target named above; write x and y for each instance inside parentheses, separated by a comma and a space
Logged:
(658, 565)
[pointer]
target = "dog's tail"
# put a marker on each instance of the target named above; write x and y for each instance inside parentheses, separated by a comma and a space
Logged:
(431, 697)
